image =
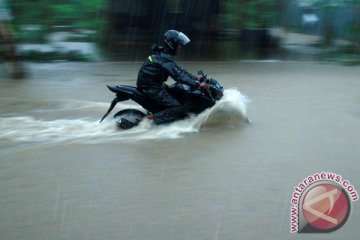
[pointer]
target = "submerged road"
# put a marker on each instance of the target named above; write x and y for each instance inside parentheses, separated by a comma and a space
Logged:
(221, 182)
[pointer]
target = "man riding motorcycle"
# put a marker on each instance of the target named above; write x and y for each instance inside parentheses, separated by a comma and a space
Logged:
(155, 71)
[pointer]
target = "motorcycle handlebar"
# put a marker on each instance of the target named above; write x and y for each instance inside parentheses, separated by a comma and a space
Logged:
(203, 76)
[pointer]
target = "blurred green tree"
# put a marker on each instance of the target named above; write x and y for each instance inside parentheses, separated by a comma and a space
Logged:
(261, 13)
(73, 13)
(251, 14)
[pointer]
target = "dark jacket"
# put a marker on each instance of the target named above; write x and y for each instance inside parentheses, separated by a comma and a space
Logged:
(158, 67)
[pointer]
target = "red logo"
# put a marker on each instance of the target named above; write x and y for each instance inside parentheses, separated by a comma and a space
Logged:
(325, 207)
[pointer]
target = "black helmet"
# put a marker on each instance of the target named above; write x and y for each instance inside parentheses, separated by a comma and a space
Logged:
(172, 38)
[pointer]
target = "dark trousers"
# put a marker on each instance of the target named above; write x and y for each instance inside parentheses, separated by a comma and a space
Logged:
(174, 110)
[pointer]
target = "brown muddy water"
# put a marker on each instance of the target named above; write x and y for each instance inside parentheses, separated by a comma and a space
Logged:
(64, 176)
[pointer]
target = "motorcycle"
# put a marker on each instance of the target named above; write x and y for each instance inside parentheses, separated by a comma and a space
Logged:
(199, 100)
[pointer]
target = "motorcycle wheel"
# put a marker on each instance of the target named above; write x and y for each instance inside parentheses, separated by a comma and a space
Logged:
(128, 118)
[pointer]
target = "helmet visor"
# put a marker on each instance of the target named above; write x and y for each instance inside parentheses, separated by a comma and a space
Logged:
(183, 39)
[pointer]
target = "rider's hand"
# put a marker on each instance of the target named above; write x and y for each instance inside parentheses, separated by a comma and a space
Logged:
(204, 85)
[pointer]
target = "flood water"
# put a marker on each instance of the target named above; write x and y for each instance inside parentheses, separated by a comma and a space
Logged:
(214, 176)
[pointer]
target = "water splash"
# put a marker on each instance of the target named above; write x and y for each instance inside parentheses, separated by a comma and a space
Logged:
(229, 111)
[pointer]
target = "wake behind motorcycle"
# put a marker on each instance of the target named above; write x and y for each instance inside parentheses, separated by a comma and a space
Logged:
(199, 100)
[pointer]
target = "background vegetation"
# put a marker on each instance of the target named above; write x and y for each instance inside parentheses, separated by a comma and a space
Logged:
(45, 16)
(251, 14)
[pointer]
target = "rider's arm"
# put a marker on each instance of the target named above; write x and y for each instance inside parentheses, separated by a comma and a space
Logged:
(180, 75)
(187, 73)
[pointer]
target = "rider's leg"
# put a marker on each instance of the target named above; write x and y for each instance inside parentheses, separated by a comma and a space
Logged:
(174, 110)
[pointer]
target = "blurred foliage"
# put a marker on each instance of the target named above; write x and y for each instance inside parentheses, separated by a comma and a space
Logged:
(251, 14)
(230, 13)
(327, 3)
(173, 5)
(353, 31)
(261, 13)
(84, 14)
(32, 35)
(38, 56)
(80, 38)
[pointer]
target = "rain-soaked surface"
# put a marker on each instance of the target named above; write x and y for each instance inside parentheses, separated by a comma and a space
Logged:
(214, 176)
